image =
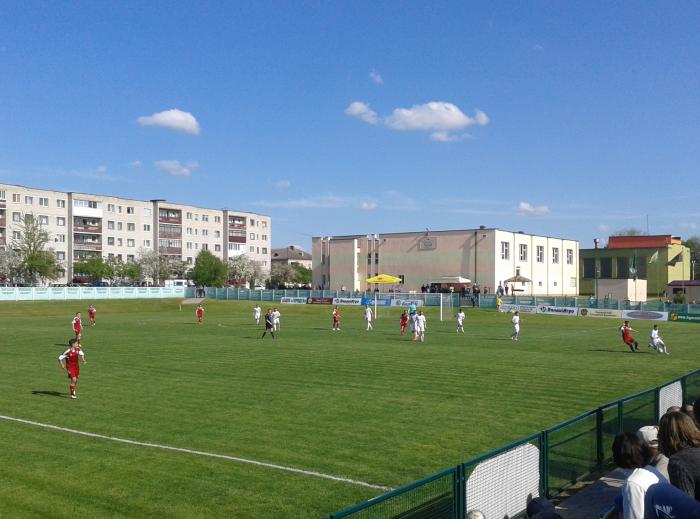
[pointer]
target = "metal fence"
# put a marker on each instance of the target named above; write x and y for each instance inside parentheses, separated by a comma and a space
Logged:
(546, 463)
(68, 293)
(489, 301)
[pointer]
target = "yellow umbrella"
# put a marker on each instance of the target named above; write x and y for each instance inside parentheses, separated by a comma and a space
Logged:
(384, 278)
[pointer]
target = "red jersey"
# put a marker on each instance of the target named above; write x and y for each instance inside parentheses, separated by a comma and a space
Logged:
(72, 358)
(336, 315)
(200, 312)
(91, 313)
(404, 319)
(77, 325)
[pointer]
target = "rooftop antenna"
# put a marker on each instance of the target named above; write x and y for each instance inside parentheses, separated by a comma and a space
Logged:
(647, 225)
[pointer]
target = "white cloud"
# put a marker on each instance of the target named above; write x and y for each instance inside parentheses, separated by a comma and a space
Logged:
(368, 206)
(434, 116)
(174, 119)
(362, 111)
(604, 227)
(316, 202)
(281, 185)
(376, 77)
(175, 168)
(688, 226)
(135, 163)
(481, 118)
(101, 169)
(449, 137)
(526, 209)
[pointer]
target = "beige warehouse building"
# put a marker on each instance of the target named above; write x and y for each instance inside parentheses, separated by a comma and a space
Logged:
(81, 225)
(487, 256)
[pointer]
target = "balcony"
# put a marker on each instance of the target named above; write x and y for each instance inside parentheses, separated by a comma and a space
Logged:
(3, 241)
(170, 250)
(94, 246)
(3, 221)
(170, 235)
(174, 220)
(3, 204)
(90, 229)
(237, 226)
(236, 239)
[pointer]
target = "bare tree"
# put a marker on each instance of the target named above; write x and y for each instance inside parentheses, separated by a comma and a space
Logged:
(37, 263)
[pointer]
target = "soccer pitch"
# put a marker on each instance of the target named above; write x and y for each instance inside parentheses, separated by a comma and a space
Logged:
(213, 421)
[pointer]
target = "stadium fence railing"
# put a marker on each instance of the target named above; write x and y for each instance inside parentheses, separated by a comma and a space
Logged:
(70, 293)
(547, 463)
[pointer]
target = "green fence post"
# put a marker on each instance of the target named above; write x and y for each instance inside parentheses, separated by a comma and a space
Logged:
(544, 458)
(620, 416)
(459, 491)
(684, 388)
(599, 439)
(657, 393)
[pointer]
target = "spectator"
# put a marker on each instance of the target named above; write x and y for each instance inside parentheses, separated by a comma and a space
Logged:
(688, 409)
(649, 434)
(541, 508)
(679, 439)
(673, 409)
(629, 452)
(475, 514)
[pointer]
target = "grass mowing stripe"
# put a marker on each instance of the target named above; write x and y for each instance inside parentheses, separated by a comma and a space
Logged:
(200, 453)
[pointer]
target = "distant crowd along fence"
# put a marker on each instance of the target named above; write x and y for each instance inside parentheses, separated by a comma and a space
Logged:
(329, 297)
(66, 293)
(544, 464)
(578, 307)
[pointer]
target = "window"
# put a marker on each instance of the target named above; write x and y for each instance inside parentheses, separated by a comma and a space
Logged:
(252, 249)
(146, 227)
(60, 221)
(505, 250)
(110, 240)
(129, 210)
(555, 283)
(120, 226)
(264, 250)
(572, 282)
(110, 208)
(2, 194)
(523, 252)
(196, 217)
(119, 242)
(189, 230)
(130, 258)
(16, 198)
(130, 243)
(234, 246)
(130, 226)
(43, 202)
(540, 254)
(196, 232)
(28, 218)
(147, 244)
(119, 209)
(588, 268)
(217, 248)
(252, 236)
(555, 255)
(217, 234)
(264, 237)
(110, 225)
(60, 202)
(264, 224)
(623, 268)
(60, 256)
(16, 235)
(90, 204)
(569, 256)
(43, 219)
(189, 216)
(205, 246)
(217, 219)
(196, 246)
(189, 260)
(61, 238)
(205, 218)
(17, 217)
(252, 222)
(189, 244)
(28, 200)
(205, 232)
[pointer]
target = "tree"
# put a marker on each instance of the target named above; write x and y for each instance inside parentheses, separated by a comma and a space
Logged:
(628, 232)
(9, 264)
(36, 262)
(693, 243)
(281, 275)
(241, 269)
(153, 264)
(122, 271)
(302, 274)
(208, 270)
(95, 268)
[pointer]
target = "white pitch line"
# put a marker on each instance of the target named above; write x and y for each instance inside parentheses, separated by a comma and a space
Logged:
(201, 453)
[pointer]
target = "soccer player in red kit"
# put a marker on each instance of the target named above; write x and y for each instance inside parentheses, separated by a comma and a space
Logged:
(200, 314)
(69, 361)
(91, 314)
(77, 326)
(627, 337)
(404, 322)
(336, 319)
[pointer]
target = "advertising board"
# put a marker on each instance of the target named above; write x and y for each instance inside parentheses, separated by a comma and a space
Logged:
(684, 317)
(378, 302)
(567, 311)
(293, 300)
(356, 301)
(319, 300)
(406, 302)
(600, 312)
(646, 315)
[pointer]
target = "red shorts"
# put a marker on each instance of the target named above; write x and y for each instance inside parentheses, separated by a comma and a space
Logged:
(74, 373)
(628, 340)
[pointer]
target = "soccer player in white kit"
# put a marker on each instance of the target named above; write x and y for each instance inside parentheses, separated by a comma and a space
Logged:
(516, 326)
(276, 319)
(368, 317)
(256, 314)
(420, 326)
(656, 341)
(460, 321)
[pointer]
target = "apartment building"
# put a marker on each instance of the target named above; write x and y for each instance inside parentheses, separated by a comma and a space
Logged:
(81, 225)
(487, 257)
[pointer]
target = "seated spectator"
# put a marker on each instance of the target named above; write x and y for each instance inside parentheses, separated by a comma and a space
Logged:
(475, 514)
(679, 439)
(688, 409)
(673, 409)
(649, 436)
(541, 508)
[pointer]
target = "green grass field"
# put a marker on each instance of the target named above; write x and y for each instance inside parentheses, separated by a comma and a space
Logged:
(373, 407)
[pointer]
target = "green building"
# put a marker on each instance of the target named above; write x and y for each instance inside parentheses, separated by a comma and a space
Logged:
(658, 259)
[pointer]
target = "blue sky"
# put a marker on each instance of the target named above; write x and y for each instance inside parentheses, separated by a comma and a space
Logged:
(559, 118)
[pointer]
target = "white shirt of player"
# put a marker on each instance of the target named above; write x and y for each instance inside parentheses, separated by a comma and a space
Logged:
(256, 312)
(276, 319)
(655, 335)
(420, 323)
(516, 322)
(368, 314)
(460, 318)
